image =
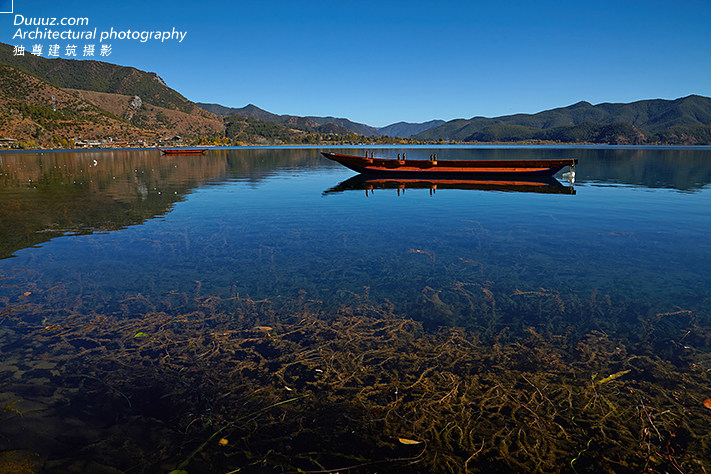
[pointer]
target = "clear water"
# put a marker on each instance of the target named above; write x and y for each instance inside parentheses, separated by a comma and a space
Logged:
(83, 232)
(257, 222)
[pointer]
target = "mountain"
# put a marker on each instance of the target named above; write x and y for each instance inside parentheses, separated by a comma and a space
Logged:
(359, 128)
(54, 100)
(138, 99)
(34, 110)
(686, 120)
(250, 111)
(240, 129)
(405, 129)
(197, 123)
(98, 76)
(305, 123)
(140, 102)
(400, 129)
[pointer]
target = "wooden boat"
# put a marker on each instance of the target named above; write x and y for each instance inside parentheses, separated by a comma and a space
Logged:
(433, 167)
(517, 184)
(183, 151)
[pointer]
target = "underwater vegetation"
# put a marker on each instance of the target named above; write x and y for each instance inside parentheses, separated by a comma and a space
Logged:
(468, 381)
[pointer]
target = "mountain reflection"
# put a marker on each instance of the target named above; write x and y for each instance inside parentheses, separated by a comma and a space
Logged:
(682, 169)
(45, 195)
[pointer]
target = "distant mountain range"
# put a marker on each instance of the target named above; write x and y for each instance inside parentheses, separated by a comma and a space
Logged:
(252, 111)
(47, 101)
(400, 129)
(684, 120)
(406, 130)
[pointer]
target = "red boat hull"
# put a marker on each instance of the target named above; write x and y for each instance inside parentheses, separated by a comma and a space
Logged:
(369, 165)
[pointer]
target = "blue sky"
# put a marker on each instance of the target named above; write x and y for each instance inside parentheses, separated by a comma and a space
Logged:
(379, 62)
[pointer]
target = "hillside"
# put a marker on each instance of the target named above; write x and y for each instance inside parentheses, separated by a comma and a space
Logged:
(313, 123)
(139, 98)
(100, 77)
(240, 129)
(310, 123)
(34, 110)
(686, 120)
(405, 129)
(142, 104)
(251, 111)
(37, 113)
(151, 117)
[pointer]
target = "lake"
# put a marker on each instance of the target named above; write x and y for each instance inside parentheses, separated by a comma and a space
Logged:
(259, 309)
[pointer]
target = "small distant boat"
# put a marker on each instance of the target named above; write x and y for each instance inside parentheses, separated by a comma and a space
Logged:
(433, 167)
(183, 151)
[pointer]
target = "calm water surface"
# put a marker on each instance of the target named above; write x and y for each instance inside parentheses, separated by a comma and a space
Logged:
(269, 222)
(82, 233)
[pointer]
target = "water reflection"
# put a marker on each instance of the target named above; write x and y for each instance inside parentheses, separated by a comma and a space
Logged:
(45, 195)
(517, 185)
(680, 169)
(685, 169)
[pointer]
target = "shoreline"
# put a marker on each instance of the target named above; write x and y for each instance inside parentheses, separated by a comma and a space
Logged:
(364, 145)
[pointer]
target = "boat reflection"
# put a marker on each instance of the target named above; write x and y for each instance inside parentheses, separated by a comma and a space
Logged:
(547, 185)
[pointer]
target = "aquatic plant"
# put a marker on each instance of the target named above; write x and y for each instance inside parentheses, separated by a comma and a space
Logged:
(468, 387)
